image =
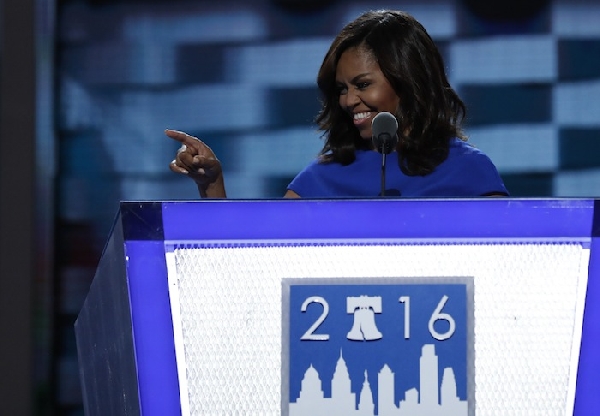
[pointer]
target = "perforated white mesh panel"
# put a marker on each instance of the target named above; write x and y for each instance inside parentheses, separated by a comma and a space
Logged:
(227, 306)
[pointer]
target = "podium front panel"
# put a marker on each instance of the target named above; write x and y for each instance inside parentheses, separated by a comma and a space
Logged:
(382, 307)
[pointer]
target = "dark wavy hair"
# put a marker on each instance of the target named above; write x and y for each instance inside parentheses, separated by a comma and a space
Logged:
(430, 111)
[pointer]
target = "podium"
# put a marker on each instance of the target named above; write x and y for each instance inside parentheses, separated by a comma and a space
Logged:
(386, 307)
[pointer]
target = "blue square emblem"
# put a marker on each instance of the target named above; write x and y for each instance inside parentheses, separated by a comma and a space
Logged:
(378, 346)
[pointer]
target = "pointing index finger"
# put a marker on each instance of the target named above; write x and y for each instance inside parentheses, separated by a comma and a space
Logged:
(182, 137)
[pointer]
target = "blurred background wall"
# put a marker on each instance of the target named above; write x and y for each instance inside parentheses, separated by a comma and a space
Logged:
(111, 75)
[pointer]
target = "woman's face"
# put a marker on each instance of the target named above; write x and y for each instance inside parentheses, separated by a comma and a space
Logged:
(363, 89)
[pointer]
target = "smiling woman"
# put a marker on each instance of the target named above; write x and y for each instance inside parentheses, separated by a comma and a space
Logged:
(383, 61)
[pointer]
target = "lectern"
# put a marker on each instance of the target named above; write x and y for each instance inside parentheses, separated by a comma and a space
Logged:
(485, 306)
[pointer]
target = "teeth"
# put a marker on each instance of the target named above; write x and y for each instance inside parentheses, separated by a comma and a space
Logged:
(360, 116)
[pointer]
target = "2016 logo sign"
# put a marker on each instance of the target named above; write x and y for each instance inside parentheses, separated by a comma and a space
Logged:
(365, 328)
(378, 349)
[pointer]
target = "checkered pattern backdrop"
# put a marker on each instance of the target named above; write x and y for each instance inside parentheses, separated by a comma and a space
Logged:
(241, 75)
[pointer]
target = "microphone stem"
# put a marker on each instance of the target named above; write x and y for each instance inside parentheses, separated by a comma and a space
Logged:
(383, 174)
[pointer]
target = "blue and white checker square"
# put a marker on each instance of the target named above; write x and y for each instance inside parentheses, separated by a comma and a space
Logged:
(405, 336)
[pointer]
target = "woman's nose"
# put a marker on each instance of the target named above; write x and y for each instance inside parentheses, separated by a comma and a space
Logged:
(352, 98)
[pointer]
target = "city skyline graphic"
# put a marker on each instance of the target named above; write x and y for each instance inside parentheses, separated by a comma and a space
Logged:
(431, 398)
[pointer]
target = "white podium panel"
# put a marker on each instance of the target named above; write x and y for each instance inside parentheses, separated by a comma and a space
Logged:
(526, 326)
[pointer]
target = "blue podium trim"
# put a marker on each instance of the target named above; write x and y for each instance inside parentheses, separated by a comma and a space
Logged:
(587, 400)
(483, 218)
(158, 383)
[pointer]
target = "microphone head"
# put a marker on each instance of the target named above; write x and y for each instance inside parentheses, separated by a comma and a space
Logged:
(384, 129)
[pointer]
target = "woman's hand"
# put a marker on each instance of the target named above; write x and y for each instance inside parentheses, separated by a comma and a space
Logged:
(196, 160)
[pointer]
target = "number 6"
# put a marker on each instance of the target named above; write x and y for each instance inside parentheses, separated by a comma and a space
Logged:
(437, 315)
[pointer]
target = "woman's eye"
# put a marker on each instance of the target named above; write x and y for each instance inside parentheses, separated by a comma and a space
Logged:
(342, 90)
(362, 85)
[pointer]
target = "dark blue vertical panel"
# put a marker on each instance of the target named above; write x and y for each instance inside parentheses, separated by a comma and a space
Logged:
(105, 344)
(587, 398)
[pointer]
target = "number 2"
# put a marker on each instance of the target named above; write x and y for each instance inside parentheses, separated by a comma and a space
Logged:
(310, 335)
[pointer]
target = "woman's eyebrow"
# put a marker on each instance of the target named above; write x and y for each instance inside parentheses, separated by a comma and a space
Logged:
(355, 79)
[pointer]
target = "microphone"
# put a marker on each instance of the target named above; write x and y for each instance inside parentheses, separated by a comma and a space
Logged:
(384, 128)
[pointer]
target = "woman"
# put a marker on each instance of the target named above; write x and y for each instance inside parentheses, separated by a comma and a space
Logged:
(384, 61)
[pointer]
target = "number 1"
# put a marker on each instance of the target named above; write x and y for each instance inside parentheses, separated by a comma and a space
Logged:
(406, 301)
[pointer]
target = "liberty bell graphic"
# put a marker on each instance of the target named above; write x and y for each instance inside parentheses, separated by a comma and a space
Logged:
(364, 309)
